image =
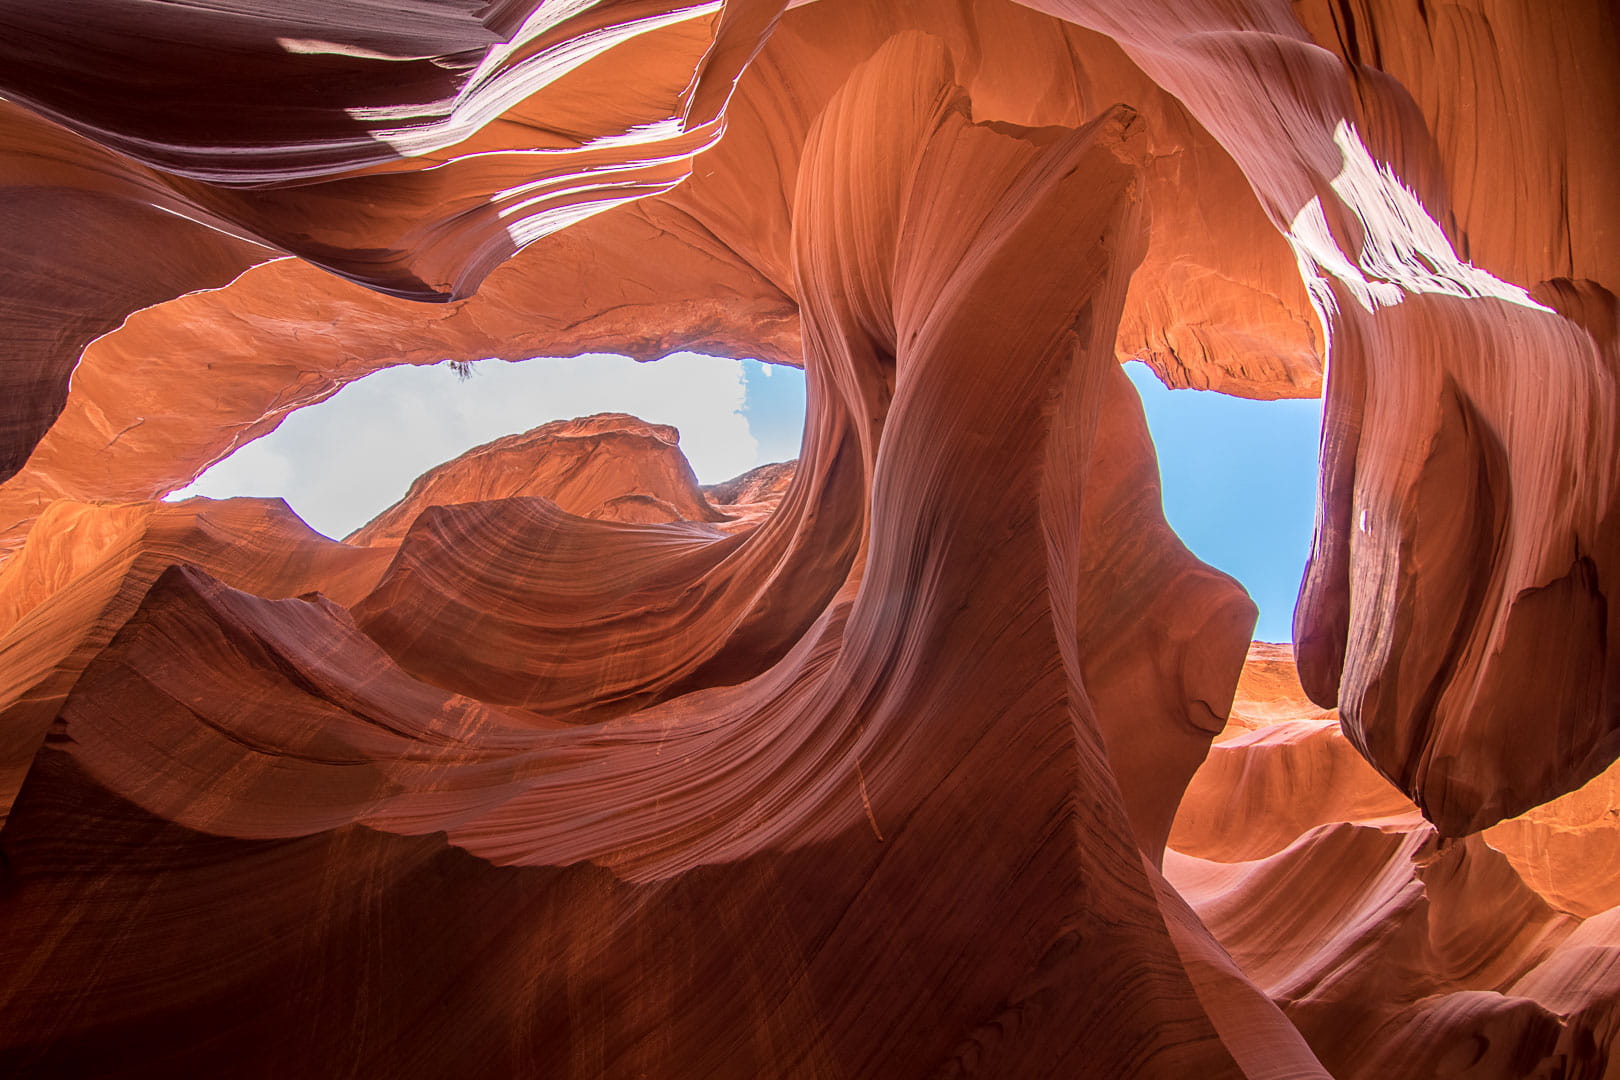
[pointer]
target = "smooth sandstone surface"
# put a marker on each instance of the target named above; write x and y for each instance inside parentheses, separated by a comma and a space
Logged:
(1398, 953)
(932, 753)
(610, 466)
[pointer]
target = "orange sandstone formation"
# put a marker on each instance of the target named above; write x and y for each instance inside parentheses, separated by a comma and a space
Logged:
(610, 466)
(895, 761)
(1395, 952)
(750, 498)
(86, 569)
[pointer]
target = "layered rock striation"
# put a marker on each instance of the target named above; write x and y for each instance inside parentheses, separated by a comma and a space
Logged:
(918, 756)
(1397, 952)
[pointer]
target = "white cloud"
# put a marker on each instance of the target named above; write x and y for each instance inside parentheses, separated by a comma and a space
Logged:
(340, 462)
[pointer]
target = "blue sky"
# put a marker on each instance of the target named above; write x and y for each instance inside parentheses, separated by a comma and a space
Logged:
(1239, 476)
(1239, 482)
(774, 406)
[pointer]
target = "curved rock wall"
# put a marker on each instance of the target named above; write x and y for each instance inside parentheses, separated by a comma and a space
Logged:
(1398, 953)
(891, 763)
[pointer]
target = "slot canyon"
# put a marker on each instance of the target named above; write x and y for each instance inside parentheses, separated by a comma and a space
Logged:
(933, 753)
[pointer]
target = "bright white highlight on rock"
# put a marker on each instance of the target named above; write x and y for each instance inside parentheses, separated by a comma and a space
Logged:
(317, 47)
(1404, 251)
(500, 84)
(534, 210)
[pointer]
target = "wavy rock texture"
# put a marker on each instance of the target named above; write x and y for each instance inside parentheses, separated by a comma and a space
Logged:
(410, 146)
(1434, 630)
(65, 268)
(750, 498)
(893, 761)
(597, 784)
(1396, 953)
(1218, 301)
(87, 567)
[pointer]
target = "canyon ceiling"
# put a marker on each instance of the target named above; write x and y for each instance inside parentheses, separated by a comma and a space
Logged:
(932, 754)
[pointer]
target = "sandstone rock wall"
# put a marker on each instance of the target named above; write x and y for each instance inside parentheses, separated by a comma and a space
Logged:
(889, 764)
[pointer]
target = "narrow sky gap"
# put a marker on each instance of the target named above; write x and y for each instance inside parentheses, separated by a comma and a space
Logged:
(1239, 482)
(342, 461)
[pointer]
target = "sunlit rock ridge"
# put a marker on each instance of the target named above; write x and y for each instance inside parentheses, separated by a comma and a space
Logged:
(918, 757)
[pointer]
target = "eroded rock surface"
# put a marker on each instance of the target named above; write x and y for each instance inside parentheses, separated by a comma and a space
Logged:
(918, 756)
(1398, 953)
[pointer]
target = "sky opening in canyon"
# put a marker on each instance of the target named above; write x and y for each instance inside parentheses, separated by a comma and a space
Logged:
(338, 463)
(1239, 480)
(1238, 475)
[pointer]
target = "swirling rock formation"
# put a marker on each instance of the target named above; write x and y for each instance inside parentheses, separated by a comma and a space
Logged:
(1397, 953)
(891, 762)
